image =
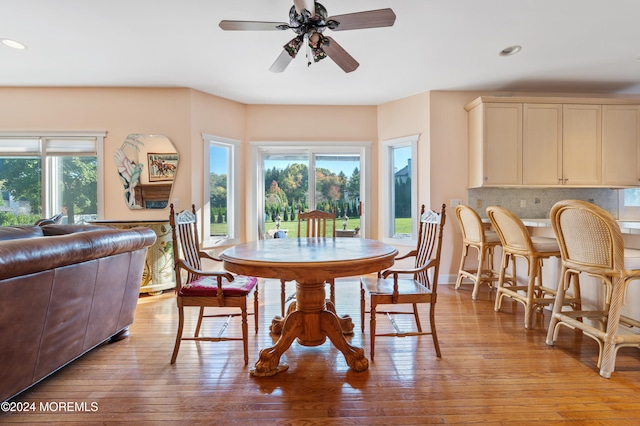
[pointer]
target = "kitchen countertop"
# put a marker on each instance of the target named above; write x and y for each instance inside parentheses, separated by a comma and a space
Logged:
(627, 227)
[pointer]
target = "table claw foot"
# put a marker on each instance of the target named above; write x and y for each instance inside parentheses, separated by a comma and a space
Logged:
(346, 323)
(268, 363)
(276, 324)
(277, 321)
(331, 325)
(265, 371)
(356, 360)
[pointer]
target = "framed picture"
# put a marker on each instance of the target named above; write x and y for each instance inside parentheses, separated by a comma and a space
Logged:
(162, 166)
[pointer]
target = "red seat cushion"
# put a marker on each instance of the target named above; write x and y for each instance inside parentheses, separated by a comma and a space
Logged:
(208, 286)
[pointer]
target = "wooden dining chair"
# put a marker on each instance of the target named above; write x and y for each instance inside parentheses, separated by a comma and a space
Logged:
(206, 289)
(591, 243)
(392, 288)
(318, 224)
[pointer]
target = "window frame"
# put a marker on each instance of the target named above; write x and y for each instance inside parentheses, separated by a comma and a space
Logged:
(233, 199)
(628, 213)
(310, 148)
(388, 187)
(45, 139)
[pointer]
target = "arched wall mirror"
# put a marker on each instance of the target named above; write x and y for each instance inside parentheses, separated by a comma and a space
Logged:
(147, 166)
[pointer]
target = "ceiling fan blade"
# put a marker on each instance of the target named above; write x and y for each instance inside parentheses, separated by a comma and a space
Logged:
(281, 62)
(340, 56)
(252, 25)
(369, 19)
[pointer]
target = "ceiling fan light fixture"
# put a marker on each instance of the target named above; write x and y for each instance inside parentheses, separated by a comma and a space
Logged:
(511, 50)
(13, 44)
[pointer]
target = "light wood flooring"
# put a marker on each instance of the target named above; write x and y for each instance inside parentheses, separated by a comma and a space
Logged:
(492, 371)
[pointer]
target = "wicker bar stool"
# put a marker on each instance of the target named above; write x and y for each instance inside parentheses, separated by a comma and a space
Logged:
(475, 235)
(591, 242)
(518, 243)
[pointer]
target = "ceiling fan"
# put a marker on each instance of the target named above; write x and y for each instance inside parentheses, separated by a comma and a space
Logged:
(308, 19)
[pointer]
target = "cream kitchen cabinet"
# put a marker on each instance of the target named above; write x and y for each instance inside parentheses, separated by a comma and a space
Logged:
(561, 144)
(542, 144)
(581, 145)
(495, 144)
(550, 142)
(621, 145)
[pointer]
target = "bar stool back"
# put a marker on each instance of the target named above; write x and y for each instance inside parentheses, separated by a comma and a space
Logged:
(518, 243)
(475, 235)
(591, 242)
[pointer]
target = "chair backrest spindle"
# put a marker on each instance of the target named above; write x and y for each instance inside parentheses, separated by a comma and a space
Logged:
(430, 244)
(317, 223)
(185, 235)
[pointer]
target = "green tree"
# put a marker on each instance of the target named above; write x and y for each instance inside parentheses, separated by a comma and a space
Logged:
(403, 198)
(77, 183)
(329, 186)
(79, 180)
(218, 190)
(275, 196)
(22, 178)
(294, 181)
(353, 185)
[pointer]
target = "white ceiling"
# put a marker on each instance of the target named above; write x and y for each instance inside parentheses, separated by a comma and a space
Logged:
(588, 46)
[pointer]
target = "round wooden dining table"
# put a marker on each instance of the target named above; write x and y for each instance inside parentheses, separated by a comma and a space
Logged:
(310, 262)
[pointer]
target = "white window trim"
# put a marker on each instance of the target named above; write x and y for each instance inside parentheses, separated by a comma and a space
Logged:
(99, 136)
(388, 187)
(256, 201)
(233, 198)
(629, 213)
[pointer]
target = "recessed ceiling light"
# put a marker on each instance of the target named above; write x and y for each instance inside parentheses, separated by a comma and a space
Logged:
(13, 44)
(511, 50)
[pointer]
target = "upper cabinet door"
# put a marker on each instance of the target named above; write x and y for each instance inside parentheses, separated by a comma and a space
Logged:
(495, 144)
(581, 144)
(503, 144)
(620, 145)
(542, 144)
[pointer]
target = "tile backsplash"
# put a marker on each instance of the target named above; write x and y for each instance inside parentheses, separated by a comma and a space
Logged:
(535, 203)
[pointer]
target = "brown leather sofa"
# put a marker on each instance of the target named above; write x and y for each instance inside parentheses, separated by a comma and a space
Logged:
(64, 289)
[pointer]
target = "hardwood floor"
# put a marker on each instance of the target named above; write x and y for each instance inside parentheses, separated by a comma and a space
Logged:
(492, 371)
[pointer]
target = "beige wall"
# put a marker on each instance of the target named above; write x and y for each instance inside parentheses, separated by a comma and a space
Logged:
(119, 111)
(183, 114)
(448, 135)
(441, 121)
(218, 117)
(406, 117)
(315, 124)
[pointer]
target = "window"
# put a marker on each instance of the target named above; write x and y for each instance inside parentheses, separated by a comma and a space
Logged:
(629, 204)
(44, 175)
(220, 212)
(400, 188)
(319, 176)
